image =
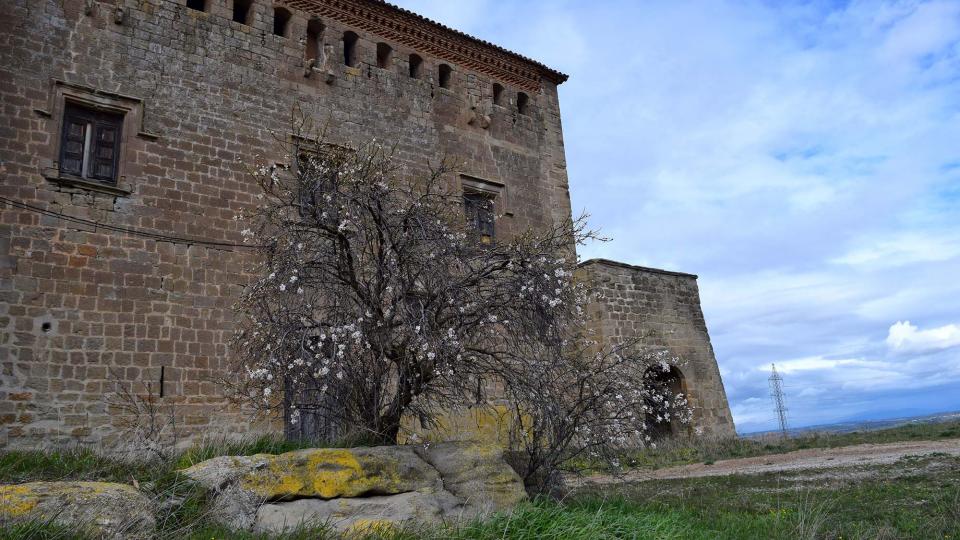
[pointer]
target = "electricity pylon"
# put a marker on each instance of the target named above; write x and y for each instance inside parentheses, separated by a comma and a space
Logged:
(776, 392)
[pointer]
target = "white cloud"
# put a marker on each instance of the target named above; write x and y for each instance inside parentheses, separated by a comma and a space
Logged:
(818, 363)
(906, 337)
(904, 249)
(812, 392)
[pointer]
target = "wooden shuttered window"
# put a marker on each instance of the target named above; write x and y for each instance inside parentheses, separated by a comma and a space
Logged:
(103, 166)
(479, 212)
(74, 140)
(90, 144)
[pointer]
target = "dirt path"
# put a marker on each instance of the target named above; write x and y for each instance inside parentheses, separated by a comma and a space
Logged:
(813, 458)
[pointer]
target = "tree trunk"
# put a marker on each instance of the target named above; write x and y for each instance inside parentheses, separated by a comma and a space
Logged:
(315, 422)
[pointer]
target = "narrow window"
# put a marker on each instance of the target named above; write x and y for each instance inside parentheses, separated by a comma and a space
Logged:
(445, 76)
(497, 94)
(350, 49)
(90, 143)
(281, 19)
(242, 12)
(416, 66)
(199, 5)
(522, 102)
(314, 41)
(478, 208)
(384, 55)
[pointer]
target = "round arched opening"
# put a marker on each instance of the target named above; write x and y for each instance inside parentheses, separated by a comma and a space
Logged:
(662, 422)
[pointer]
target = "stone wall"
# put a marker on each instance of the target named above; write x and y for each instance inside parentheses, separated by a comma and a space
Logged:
(82, 306)
(661, 309)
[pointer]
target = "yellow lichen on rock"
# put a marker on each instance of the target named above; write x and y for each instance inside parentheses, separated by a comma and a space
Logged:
(329, 473)
(17, 501)
(478, 474)
(362, 490)
(487, 424)
(325, 473)
(103, 509)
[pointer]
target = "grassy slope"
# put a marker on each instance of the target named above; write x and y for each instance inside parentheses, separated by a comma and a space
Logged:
(683, 451)
(916, 498)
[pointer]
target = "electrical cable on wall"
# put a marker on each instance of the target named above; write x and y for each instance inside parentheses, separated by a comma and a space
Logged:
(115, 228)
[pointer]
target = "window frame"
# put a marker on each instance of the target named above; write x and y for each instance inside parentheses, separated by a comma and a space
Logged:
(477, 206)
(132, 139)
(495, 192)
(95, 120)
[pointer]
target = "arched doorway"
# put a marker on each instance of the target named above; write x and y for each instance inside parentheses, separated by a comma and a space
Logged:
(662, 421)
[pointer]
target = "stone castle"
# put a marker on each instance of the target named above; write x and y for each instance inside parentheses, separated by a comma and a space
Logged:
(127, 127)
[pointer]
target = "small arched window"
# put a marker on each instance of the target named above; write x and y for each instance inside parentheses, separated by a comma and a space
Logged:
(314, 40)
(668, 384)
(199, 5)
(523, 102)
(416, 66)
(384, 55)
(444, 75)
(350, 48)
(242, 11)
(497, 94)
(281, 20)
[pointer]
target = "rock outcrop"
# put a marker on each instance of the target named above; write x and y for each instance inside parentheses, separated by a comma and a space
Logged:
(103, 509)
(347, 488)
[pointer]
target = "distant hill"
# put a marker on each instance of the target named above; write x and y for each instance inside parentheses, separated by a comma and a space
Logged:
(863, 425)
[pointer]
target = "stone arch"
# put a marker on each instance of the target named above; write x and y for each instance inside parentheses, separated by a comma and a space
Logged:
(673, 381)
(523, 103)
(384, 55)
(444, 74)
(281, 21)
(416, 66)
(350, 40)
(314, 46)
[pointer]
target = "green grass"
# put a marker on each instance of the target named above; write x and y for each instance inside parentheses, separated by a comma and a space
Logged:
(914, 498)
(586, 518)
(38, 530)
(83, 463)
(160, 480)
(684, 450)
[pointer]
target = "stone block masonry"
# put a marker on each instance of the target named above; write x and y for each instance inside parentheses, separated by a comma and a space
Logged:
(199, 95)
(662, 309)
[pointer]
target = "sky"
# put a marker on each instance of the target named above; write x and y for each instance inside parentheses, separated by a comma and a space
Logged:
(802, 158)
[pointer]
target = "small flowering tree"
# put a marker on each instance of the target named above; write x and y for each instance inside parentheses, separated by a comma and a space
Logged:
(375, 300)
(573, 398)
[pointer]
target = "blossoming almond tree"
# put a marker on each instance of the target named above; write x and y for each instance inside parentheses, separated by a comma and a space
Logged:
(375, 300)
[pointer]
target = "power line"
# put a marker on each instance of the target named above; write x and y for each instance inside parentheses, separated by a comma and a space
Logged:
(776, 392)
(125, 230)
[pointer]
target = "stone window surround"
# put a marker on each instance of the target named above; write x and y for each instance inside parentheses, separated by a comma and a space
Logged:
(497, 191)
(131, 108)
